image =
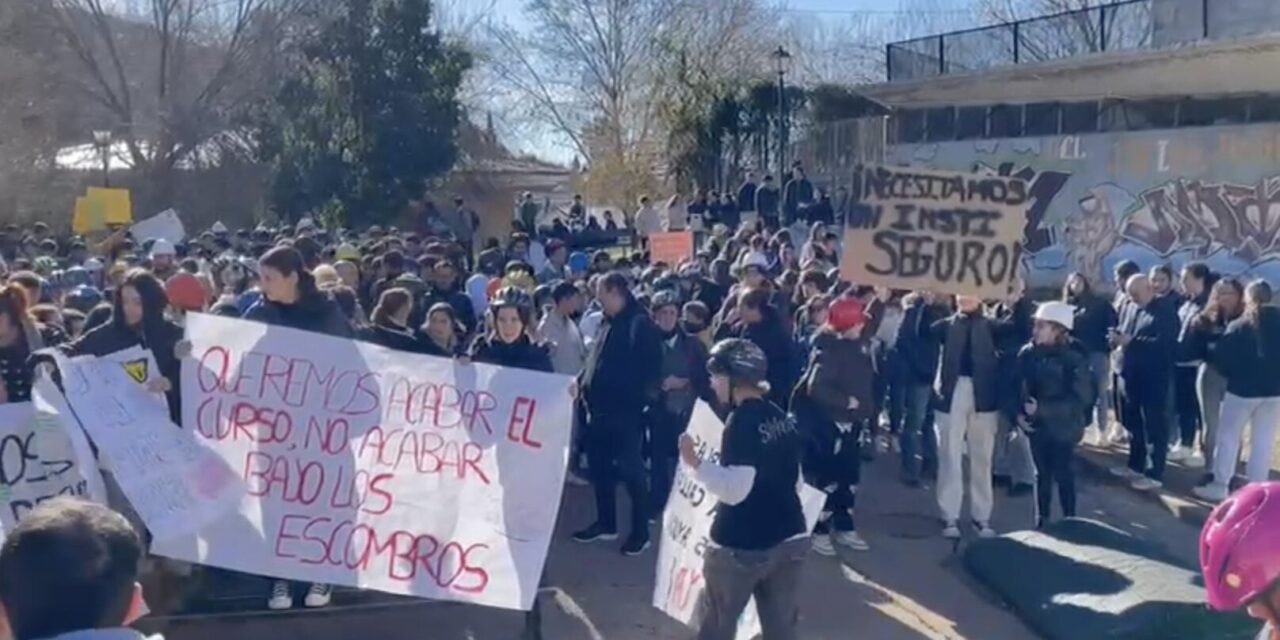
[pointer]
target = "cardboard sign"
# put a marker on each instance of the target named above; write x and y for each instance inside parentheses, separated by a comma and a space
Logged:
(374, 468)
(947, 232)
(174, 483)
(166, 225)
(43, 455)
(671, 247)
(686, 530)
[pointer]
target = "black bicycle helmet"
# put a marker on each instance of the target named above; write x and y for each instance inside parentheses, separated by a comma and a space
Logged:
(83, 299)
(741, 360)
(511, 297)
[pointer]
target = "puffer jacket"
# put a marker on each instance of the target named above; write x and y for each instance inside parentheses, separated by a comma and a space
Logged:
(1059, 379)
(840, 369)
(521, 354)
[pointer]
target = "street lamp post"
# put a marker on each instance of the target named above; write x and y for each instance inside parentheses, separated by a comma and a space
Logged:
(781, 62)
(102, 140)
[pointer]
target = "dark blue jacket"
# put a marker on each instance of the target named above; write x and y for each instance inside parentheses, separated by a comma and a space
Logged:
(915, 346)
(1149, 356)
(1095, 318)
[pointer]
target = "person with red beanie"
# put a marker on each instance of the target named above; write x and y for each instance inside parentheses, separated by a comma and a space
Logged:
(837, 390)
(187, 293)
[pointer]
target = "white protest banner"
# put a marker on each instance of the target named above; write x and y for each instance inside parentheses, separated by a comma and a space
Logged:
(686, 529)
(943, 231)
(43, 455)
(175, 484)
(165, 224)
(141, 366)
(375, 468)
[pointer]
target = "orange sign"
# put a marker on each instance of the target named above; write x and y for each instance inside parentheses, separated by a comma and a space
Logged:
(671, 247)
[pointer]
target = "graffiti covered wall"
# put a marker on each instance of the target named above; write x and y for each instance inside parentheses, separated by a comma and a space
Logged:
(1210, 194)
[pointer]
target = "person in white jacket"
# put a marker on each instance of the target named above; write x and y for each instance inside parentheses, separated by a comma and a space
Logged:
(648, 219)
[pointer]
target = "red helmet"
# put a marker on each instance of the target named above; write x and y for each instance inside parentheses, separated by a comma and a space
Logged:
(1239, 547)
(846, 313)
(186, 292)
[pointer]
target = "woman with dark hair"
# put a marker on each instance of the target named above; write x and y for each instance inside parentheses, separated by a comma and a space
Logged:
(1226, 303)
(759, 322)
(137, 320)
(291, 299)
(1197, 282)
(17, 343)
(1094, 320)
(1248, 355)
(389, 324)
(507, 343)
(439, 335)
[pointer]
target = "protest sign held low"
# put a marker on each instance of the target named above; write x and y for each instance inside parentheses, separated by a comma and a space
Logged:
(374, 468)
(43, 455)
(671, 247)
(174, 483)
(686, 529)
(947, 232)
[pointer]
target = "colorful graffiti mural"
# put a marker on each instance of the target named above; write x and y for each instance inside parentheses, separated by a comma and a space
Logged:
(1210, 194)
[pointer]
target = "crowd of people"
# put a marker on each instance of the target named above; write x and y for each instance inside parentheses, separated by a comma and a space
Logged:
(814, 375)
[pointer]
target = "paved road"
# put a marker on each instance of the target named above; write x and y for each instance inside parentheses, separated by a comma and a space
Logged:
(911, 586)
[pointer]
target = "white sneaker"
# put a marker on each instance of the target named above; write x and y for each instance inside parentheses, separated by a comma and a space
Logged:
(1124, 473)
(1212, 492)
(1118, 435)
(1145, 484)
(951, 531)
(1178, 453)
(281, 598)
(852, 540)
(822, 545)
(318, 596)
(1195, 460)
(984, 530)
(1092, 436)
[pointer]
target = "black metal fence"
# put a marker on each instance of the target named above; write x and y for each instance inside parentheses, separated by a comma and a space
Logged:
(1126, 25)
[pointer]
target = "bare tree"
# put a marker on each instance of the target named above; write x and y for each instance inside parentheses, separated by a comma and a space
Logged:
(1053, 29)
(173, 83)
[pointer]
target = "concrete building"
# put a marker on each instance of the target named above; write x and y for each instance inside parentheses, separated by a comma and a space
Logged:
(1148, 129)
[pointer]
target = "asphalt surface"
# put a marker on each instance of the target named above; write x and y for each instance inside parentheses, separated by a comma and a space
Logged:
(910, 586)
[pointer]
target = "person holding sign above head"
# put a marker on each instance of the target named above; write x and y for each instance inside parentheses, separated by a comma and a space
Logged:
(291, 299)
(758, 538)
(507, 344)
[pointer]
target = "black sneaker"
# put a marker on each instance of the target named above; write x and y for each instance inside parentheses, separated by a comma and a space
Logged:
(635, 545)
(595, 533)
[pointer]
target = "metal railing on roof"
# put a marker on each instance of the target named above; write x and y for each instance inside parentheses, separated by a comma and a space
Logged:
(1126, 25)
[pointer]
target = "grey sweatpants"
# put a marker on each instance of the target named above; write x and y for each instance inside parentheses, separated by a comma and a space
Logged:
(1211, 387)
(734, 575)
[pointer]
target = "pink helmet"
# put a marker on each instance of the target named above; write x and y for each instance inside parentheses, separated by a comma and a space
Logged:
(1239, 548)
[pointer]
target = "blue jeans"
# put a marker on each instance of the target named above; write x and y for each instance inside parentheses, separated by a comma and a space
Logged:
(917, 435)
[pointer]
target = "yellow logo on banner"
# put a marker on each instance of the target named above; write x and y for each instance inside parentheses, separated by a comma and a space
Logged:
(137, 370)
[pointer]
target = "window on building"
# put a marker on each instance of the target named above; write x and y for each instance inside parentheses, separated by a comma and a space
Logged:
(1004, 121)
(940, 124)
(1202, 112)
(1041, 118)
(1079, 117)
(1144, 114)
(1264, 109)
(910, 126)
(971, 123)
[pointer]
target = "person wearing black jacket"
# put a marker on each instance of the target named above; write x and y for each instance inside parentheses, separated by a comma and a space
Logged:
(389, 323)
(966, 401)
(619, 380)
(1145, 340)
(445, 287)
(759, 322)
(767, 202)
(1093, 322)
(918, 352)
(684, 379)
(291, 299)
(747, 193)
(1226, 303)
(1012, 323)
(507, 344)
(797, 195)
(1197, 281)
(1056, 390)
(137, 320)
(1248, 355)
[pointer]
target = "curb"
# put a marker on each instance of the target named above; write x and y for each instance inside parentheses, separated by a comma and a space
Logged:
(1096, 462)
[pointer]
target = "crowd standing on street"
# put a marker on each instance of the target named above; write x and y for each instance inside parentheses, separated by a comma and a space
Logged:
(813, 375)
